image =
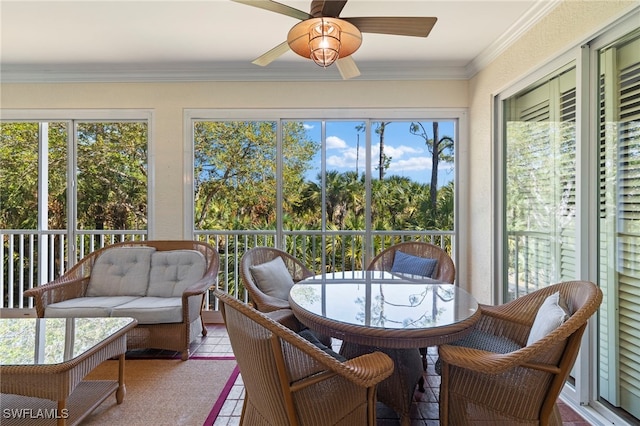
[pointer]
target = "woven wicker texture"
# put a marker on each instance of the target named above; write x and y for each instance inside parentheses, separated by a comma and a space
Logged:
(266, 303)
(259, 255)
(445, 269)
(175, 336)
(289, 381)
(519, 387)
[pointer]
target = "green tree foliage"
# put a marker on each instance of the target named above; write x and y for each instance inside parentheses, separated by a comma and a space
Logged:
(235, 172)
(19, 175)
(112, 175)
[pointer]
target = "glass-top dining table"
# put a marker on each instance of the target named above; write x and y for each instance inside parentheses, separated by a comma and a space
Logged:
(390, 312)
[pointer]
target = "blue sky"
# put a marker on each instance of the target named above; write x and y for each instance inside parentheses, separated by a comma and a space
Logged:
(409, 154)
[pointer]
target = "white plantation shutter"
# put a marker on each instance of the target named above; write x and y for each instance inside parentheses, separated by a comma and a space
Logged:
(620, 225)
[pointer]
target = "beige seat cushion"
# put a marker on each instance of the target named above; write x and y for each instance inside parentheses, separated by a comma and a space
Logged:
(551, 314)
(86, 306)
(151, 310)
(273, 278)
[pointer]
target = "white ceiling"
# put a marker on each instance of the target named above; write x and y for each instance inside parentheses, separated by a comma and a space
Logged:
(217, 40)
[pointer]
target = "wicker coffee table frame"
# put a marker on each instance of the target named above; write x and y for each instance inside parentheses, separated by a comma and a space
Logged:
(61, 386)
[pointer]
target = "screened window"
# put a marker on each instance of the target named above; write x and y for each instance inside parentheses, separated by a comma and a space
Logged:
(67, 187)
(332, 192)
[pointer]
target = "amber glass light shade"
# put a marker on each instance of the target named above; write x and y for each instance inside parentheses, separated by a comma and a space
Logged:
(324, 40)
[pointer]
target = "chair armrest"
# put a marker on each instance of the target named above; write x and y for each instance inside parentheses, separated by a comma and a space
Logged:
(495, 321)
(192, 298)
(286, 318)
(507, 313)
(199, 287)
(370, 369)
(57, 291)
(495, 363)
(366, 370)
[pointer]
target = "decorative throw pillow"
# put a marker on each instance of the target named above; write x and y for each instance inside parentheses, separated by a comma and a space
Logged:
(551, 314)
(408, 264)
(273, 278)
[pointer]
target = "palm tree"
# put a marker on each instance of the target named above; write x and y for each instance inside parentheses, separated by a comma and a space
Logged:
(440, 149)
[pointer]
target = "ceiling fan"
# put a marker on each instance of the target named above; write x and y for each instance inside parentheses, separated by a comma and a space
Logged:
(325, 37)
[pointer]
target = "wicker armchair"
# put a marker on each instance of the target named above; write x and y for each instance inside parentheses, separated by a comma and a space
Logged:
(259, 255)
(172, 336)
(290, 381)
(445, 269)
(277, 308)
(518, 387)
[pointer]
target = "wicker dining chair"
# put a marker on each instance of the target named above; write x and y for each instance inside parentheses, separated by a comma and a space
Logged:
(258, 256)
(444, 271)
(290, 381)
(278, 309)
(521, 386)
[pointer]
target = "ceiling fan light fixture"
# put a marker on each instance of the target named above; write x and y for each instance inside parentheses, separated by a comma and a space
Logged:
(324, 40)
(324, 43)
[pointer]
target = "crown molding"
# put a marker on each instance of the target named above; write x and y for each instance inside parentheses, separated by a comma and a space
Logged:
(163, 72)
(509, 37)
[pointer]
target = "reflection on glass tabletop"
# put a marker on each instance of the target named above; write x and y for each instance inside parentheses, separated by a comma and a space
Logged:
(39, 341)
(379, 299)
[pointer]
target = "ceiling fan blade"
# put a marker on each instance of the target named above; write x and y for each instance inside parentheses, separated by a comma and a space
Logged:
(330, 8)
(347, 67)
(272, 55)
(400, 25)
(277, 7)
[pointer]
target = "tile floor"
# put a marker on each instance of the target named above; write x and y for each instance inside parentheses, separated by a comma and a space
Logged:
(424, 410)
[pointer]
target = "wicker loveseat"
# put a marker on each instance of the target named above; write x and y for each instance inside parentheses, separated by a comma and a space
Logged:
(159, 283)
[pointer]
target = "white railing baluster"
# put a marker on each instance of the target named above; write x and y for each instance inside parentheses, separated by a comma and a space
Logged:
(31, 255)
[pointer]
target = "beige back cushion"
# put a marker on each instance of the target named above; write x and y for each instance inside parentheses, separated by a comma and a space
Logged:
(273, 278)
(121, 271)
(551, 314)
(175, 270)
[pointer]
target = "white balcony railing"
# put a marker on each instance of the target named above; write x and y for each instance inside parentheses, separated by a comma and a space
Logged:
(30, 258)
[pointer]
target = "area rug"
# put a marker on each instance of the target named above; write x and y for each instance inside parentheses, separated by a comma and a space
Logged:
(166, 392)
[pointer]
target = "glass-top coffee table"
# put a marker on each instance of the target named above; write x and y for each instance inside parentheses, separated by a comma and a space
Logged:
(43, 363)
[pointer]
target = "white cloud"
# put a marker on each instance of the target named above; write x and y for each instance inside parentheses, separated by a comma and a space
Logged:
(334, 142)
(400, 151)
